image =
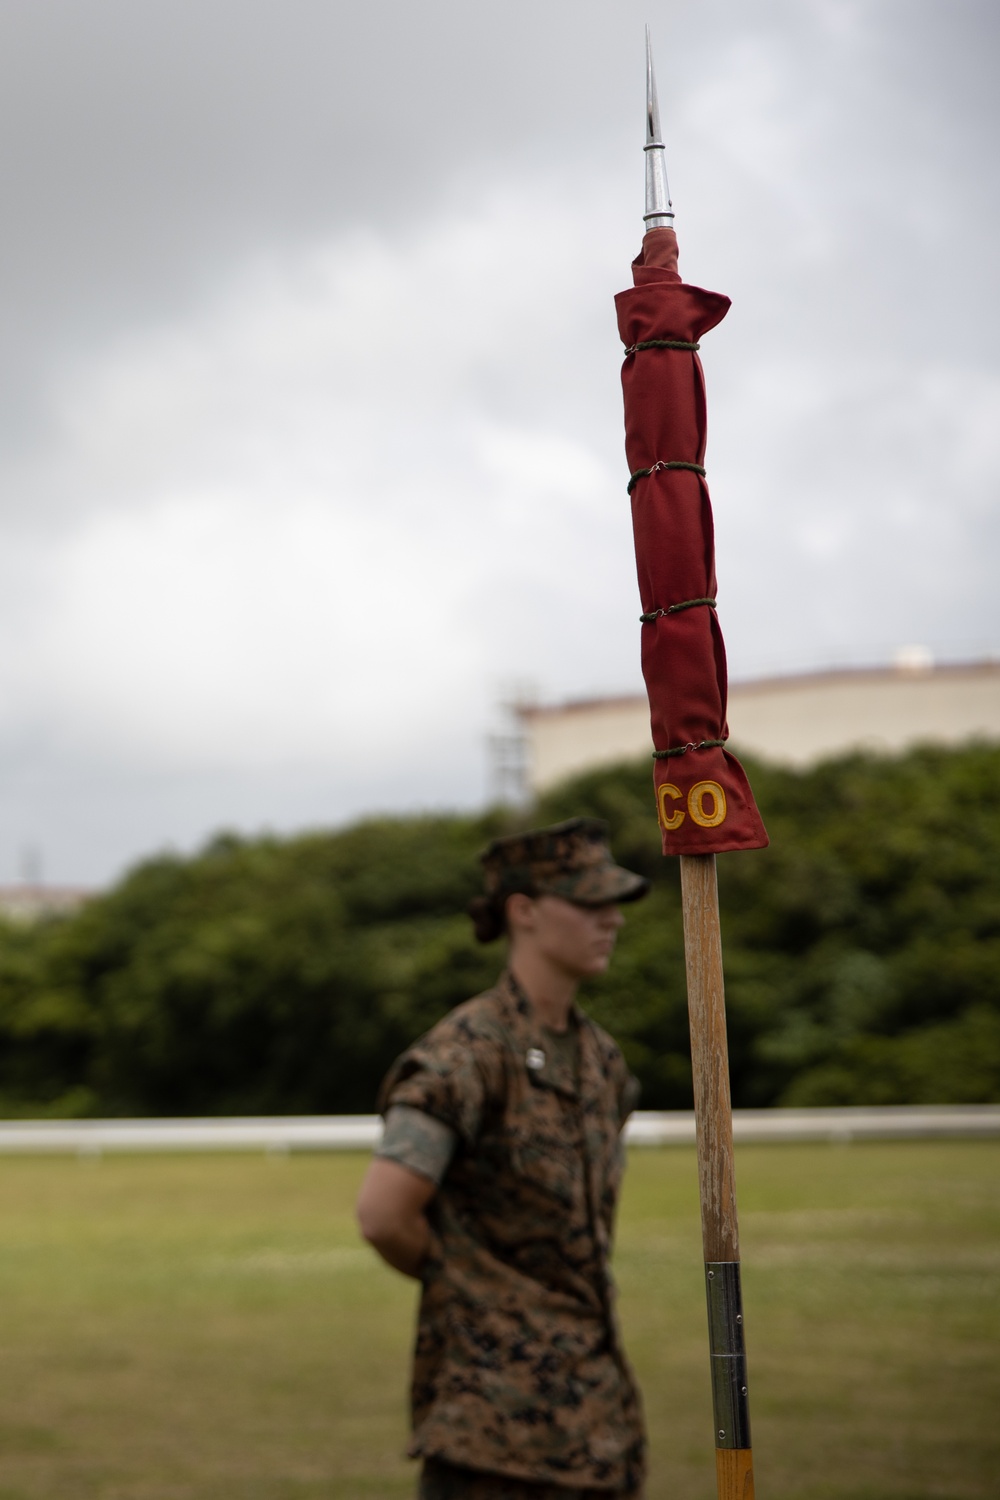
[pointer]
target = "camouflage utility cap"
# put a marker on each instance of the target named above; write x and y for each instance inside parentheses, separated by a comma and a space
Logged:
(571, 859)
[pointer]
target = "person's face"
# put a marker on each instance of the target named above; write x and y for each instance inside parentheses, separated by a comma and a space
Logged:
(579, 940)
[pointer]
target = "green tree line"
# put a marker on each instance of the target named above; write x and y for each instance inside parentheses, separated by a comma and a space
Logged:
(273, 975)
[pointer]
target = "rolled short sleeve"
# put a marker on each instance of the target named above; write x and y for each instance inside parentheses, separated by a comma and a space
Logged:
(417, 1141)
(451, 1074)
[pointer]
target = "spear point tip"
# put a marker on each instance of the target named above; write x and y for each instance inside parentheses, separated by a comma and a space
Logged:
(652, 104)
(659, 209)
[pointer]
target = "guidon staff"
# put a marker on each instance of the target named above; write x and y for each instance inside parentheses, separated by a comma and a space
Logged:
(703, 799)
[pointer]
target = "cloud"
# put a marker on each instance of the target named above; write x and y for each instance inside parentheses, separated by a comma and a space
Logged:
(325, 514)
(857, 499)
(318, 426)
(316, 519)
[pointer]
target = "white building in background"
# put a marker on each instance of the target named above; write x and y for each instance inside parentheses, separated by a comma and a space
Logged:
(791, 721)
(30, 901)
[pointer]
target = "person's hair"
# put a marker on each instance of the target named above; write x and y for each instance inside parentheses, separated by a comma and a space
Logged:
(489, 919)
(489, 913)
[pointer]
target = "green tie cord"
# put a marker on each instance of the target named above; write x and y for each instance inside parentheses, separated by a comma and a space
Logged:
(661, 344)
(675, 609)
(663, 463)
(683, 749)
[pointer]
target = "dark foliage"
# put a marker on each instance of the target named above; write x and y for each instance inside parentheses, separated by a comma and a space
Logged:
(862, 954)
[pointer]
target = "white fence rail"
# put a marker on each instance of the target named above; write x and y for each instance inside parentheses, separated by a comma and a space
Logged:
(283, 1133)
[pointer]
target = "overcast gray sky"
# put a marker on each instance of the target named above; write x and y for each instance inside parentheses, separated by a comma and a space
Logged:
(309, 394)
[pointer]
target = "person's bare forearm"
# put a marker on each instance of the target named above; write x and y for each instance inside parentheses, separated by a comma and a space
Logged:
(391, 1214)
(405, 1246)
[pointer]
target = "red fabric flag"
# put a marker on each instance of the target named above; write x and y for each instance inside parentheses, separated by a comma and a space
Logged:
(704, 802)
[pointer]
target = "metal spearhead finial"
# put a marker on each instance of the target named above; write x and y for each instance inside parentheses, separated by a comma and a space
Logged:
(659, 208)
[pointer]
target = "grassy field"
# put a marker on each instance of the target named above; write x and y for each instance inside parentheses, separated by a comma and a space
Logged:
(188, 1328)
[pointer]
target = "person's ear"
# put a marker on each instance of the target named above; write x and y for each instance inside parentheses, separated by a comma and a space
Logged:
(520, 912)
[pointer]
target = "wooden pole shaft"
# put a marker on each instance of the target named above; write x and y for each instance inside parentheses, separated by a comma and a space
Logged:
(709, 1057)
(716, 1174)
(734, 1473)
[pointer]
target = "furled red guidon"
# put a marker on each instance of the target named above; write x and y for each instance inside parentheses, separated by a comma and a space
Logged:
(703, 798)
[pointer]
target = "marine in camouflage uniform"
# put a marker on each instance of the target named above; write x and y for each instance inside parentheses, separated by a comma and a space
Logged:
(520, 1384)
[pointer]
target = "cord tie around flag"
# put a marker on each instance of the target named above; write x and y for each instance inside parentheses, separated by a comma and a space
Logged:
(663, 463)
(683, 749)
(662, 344)
(675, 609)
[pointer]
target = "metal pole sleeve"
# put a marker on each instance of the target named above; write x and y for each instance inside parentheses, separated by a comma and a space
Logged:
(727, 1354)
